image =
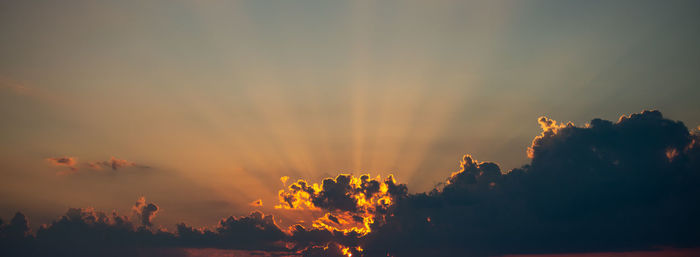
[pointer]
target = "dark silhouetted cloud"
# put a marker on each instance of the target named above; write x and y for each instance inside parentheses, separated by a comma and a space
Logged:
(256, 231)
(630, 184)
(87, 232)
(15, 237)
(633, 184)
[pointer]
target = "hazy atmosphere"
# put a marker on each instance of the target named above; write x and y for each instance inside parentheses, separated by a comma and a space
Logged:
(215, 109)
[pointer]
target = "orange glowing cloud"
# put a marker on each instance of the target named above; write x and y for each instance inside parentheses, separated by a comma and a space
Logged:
(68, 162)
(256, 203)
(549, 128)
(350, 204)
(62, 161)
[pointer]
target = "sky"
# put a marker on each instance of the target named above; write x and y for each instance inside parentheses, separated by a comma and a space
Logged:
(202, 106)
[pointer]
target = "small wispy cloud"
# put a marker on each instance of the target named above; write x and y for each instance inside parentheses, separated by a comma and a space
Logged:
(73, 165)
(14, 86)
(256, 203)
(64, 161)
(115, 164)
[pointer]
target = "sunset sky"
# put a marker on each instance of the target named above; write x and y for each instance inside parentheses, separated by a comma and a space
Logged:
(202, 106)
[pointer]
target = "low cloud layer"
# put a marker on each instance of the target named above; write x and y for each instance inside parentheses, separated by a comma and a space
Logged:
(256, 231)
(633, 184)
(88, 232)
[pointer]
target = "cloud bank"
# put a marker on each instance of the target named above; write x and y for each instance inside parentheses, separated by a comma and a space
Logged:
(633, 184)
(606, 186)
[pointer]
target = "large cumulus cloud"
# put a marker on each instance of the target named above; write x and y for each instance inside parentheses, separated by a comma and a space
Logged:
(630, 184)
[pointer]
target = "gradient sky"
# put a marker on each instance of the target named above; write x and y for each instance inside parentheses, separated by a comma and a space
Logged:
(220, 99)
